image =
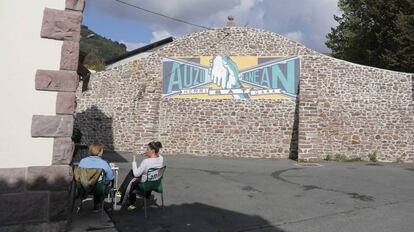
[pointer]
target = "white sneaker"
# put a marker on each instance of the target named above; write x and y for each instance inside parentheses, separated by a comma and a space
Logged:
(118, 196)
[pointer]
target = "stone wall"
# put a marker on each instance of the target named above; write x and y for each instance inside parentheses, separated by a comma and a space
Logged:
(343, 108)
(260, 128)
(108, 111)
(34, 198)
(354, 110)
(363, 110)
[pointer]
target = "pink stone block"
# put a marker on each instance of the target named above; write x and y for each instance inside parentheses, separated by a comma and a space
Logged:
(61, 25)
(70, 56)
(65, 103)
(65, 81)
(52, 126)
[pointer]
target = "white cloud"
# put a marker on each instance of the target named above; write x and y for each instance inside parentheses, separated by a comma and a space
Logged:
(245, 13)
(131, 46)
(159, 35)
(295, 35)
(209, 13)
(313, 19)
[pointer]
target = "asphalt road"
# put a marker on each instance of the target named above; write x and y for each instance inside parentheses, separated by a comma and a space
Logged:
(237, 194)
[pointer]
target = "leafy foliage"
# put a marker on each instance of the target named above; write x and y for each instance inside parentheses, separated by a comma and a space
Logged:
(373, 156)
(98, 49)
(342, 158)
(378, 33)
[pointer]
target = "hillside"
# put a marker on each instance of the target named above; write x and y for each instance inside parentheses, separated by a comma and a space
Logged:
(98, 49)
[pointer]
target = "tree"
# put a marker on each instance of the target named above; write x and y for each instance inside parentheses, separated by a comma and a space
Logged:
(378, 33)
(98, 49)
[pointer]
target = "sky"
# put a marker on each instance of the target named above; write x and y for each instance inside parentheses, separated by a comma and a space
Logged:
(305, 21)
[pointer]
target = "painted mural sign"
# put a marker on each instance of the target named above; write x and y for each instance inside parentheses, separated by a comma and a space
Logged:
(231, 77)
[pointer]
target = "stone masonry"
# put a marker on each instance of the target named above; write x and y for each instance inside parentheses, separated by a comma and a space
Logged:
(108, 111)
(343, 108)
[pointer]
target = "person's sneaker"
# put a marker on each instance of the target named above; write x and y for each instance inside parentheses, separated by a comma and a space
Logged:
(131, 207)
(118, 196)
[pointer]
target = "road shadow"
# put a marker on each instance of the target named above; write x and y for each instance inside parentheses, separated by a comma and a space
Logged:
(81, 151)
(114, 157)
(189, 217)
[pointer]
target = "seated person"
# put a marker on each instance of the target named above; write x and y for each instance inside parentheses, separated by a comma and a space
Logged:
(139, 173)
(94, 160)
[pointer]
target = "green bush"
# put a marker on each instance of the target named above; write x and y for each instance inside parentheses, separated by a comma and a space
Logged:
(373, 156)
(328, 157)
(342, 158)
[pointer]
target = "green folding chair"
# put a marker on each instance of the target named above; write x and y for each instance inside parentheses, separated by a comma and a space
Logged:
(153, 183)
(99, 188)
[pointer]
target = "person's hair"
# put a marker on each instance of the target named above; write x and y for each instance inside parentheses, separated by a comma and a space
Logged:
(95, 148)
(155, 145)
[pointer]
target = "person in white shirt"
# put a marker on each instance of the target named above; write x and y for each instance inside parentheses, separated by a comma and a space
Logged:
(139, 173)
